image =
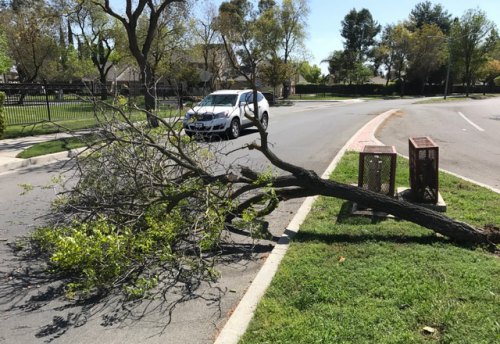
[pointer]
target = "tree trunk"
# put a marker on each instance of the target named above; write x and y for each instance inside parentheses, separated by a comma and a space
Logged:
(467, 82)
(308, 183)
(427, 218)
(103, 89)
(402, 88)
(286, 89)
(149, 93)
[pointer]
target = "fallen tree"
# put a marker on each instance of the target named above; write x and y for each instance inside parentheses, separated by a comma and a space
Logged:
(308, 183)
(151, 204)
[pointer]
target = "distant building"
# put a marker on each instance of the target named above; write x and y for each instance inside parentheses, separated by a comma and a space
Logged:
(10, 76)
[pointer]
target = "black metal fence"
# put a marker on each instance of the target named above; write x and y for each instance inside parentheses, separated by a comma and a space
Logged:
(35, 103)
(27, 104)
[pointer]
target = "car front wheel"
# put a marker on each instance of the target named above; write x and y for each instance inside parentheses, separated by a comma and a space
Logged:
(234, 129)
(265, 120)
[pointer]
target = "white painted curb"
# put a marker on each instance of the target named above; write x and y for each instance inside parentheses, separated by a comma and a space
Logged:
(237, 324)
(16, 164)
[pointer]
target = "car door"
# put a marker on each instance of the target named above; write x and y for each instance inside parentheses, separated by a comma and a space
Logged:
(246, 105)
(261, 101)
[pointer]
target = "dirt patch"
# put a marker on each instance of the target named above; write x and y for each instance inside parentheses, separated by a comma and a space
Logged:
(493, 233)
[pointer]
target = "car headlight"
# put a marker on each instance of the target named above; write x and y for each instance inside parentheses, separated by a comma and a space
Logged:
(223, 114)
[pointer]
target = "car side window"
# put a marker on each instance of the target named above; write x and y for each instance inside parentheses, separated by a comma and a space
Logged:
(247, 97)
(259, 97)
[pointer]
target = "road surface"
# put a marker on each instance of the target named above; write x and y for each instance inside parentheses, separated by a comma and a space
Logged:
(467, 133)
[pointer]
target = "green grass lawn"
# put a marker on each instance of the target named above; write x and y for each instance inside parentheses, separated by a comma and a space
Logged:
(66, 144)
(321, 96)
(55, 146)
(326, 96)
(456, 98)
(355, 280)
(85, 121)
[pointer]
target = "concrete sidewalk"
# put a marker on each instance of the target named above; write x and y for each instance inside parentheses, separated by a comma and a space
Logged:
(10, 148)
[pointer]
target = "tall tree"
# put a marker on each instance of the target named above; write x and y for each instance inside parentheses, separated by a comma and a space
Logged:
(32, 33)
(169, 44)
(427, 13)
(245, 42)
(210, 45)
(385, 53)
(428, 52)
(97, 39)
(469, 44)
(401, 38)
(141, 48)
(292, 19)
(359, 30)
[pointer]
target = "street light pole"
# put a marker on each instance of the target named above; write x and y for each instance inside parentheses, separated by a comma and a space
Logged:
(447, 70)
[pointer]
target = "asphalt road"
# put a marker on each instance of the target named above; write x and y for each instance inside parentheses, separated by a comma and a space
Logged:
(308, 134)
(467, 133)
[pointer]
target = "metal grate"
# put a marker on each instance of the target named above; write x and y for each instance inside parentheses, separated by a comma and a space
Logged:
(377, 169)
(424, 169)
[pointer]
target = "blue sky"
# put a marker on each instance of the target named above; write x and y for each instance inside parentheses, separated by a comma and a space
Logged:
(326, 15)
(323, 31)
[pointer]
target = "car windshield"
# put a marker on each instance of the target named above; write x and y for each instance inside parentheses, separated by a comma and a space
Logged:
(219, 100)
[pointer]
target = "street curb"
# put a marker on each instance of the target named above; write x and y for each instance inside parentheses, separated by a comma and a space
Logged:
(354, 100)
(239, 320)
(39, 160)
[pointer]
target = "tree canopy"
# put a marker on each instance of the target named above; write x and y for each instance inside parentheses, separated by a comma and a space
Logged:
(5, 61)
(427, 13)
(359, 30)
(469, 43)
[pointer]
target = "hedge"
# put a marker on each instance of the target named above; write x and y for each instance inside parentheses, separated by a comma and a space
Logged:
(389, 90)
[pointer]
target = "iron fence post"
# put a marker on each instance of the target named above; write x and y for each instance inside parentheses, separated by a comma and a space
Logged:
(47, 99)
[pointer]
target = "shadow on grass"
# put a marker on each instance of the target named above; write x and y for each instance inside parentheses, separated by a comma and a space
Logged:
(337, 238)
(345, 216)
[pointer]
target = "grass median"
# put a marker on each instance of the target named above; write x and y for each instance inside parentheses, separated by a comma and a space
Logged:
(357, 280)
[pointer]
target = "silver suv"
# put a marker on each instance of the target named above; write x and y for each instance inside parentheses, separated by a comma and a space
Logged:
(223, 112)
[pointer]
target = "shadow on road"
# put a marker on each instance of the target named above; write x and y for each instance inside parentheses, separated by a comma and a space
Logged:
(30, 292)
